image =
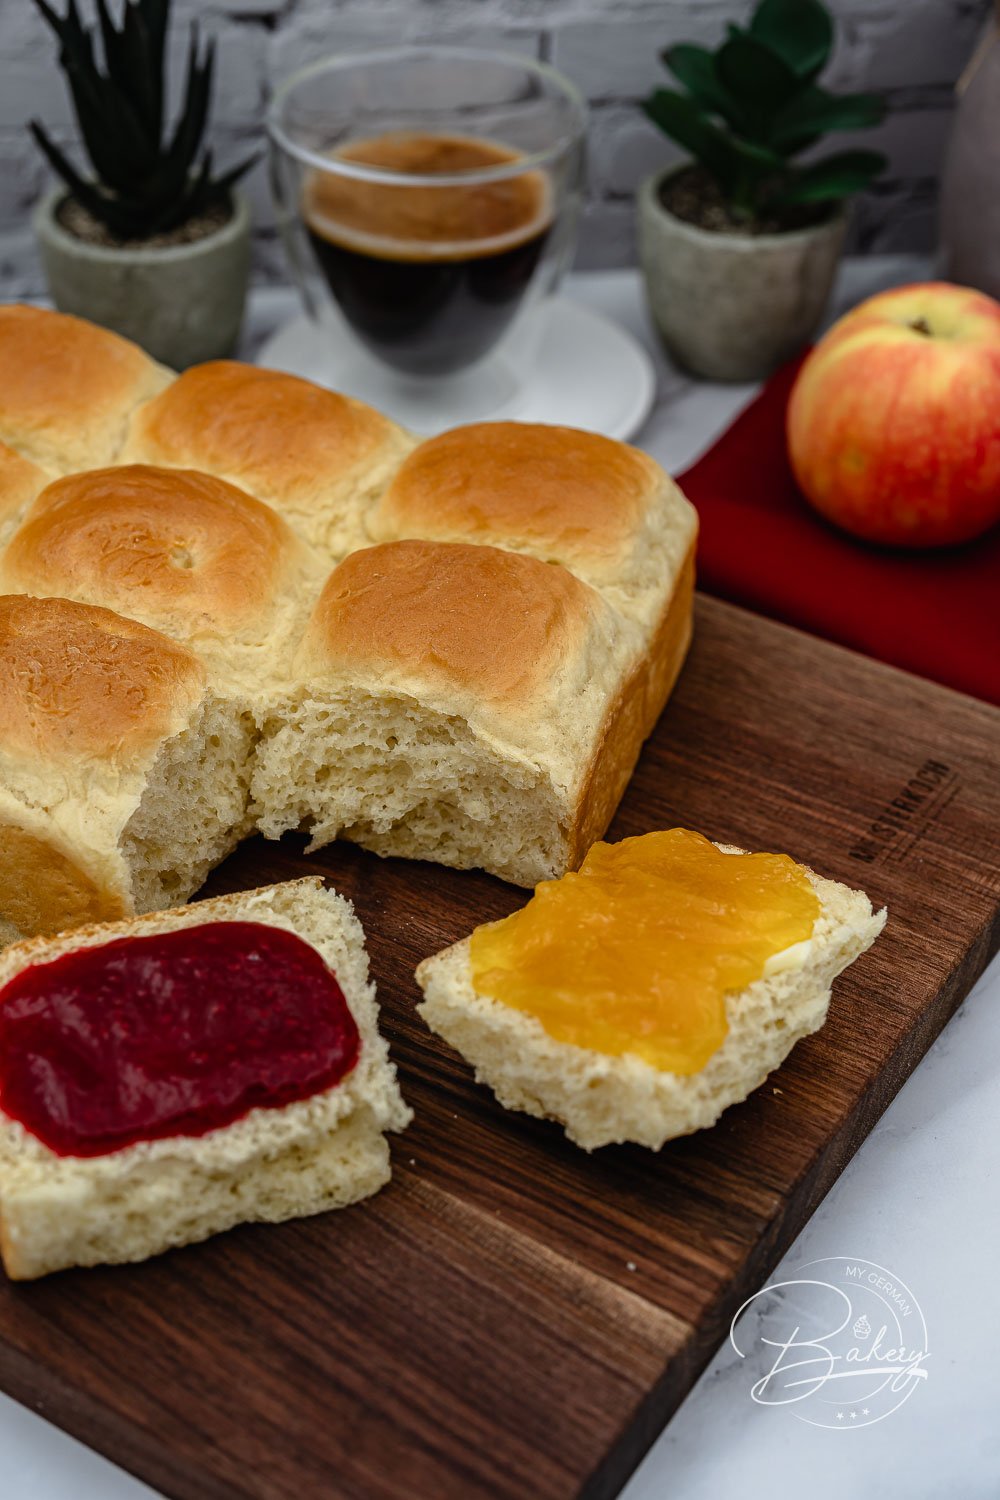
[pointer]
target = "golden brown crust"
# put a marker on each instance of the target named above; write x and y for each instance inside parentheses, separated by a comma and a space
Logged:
(670, 642)
(75, 386)
(490, 622)
(44, 890)
(611, 766)
(154, 541)
(631, 717)
(77, 681)
(576, 493)
(275, 434)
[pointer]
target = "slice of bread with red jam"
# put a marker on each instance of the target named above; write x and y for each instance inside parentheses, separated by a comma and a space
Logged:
(167, 1077)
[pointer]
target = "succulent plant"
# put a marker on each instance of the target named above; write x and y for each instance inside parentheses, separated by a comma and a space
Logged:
(753, 105)
(147, 180)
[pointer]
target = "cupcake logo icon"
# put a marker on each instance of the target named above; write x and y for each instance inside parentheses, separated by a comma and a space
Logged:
(843, 1344)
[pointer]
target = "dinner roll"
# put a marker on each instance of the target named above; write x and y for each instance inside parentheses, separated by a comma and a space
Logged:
(123, 778)
(69, 387)
(319, 458)
(457, 703)
(609, 513)
(276, 1162)
(20, 482)
(604, 510)
(184, 552)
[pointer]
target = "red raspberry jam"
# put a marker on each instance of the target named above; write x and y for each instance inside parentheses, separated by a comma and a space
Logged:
(174, 1034)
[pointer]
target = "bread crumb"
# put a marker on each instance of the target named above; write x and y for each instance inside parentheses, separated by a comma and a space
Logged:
(630, 1265)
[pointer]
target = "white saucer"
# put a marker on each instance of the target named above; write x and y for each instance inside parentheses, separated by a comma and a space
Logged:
(587, 372)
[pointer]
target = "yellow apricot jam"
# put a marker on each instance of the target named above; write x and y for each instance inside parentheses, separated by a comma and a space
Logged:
(636, 951)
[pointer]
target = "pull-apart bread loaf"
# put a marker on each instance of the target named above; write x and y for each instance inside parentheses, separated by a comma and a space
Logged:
(659, 998)
(186, 553)
(123, 775)
(457, 703)
(168, 1077)
(319, 458)
(474, 688)
(69, 388)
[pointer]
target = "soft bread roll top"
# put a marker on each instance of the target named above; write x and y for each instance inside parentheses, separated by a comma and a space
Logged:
(504, 482)
(318, 457)
(606, 511)
(81, 683)
(491, 634)
(20, 482)
(69, 387)
(186, 553)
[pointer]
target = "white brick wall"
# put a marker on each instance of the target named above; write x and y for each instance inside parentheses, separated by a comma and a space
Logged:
(912, 49)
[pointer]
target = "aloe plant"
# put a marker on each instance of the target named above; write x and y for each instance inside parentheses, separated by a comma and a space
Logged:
(753, 105)
(146, 179)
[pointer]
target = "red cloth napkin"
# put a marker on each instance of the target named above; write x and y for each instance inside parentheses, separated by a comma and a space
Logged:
(762, 546)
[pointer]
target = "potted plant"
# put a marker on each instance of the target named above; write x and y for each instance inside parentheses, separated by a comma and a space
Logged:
(151, 243)
(740, 246)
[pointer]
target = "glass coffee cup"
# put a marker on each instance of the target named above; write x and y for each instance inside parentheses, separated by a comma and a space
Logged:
(428, 199)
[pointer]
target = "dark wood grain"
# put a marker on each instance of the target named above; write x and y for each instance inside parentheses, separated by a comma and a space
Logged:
(475, 1329)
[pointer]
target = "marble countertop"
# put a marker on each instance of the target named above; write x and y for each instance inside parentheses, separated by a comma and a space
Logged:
(920, 1198)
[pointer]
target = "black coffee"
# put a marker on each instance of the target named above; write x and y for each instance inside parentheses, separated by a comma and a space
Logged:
(428, 277)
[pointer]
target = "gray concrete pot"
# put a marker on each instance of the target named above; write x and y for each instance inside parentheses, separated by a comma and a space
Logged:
(733, 306)
(182, 303)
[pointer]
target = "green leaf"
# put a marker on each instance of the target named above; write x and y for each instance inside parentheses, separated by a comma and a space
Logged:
(760, 81)
(144, 181)
(104, 209)
(153, 26)
(192, 200)
(682, 120)
(120, 150)
(799, 31)
(695, 68)
(813, 112)
(194, 113)
(833, 178)
(60, 163)
(130, 66)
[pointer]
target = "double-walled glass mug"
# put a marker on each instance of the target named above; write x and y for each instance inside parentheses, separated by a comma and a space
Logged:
(428, 199)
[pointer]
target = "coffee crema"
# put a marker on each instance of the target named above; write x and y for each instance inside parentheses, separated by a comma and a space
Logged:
(428, 276)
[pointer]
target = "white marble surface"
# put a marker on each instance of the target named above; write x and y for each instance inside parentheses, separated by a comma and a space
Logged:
(920, 1198)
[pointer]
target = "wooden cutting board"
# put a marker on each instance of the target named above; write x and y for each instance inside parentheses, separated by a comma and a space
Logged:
(476, 1329)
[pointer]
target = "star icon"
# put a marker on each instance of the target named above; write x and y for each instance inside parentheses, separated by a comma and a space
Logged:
(840, 1416)
(865, 1412)
(853, 1415)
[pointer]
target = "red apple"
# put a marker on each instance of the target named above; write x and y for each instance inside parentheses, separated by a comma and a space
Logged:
(894, 420)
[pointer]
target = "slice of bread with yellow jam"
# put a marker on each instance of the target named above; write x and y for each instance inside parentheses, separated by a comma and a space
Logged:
(638, 998)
